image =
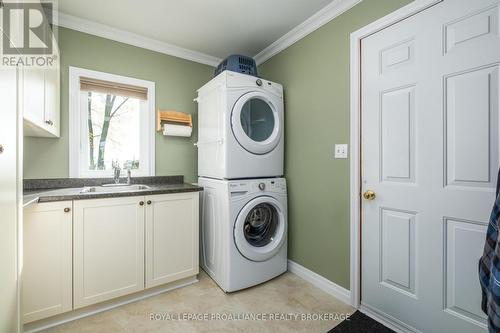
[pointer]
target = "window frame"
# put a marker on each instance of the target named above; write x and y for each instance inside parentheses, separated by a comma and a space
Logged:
(78, 124)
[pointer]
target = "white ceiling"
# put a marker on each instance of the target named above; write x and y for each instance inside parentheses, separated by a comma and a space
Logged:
(213, 27)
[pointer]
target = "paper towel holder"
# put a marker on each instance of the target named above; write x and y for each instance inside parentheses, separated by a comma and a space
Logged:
(175, 117)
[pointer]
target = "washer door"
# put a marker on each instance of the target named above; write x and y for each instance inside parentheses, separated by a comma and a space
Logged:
(256, 122)
(260, 229)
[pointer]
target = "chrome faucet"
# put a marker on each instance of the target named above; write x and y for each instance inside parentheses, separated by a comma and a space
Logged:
(129, 176)
(116, 173)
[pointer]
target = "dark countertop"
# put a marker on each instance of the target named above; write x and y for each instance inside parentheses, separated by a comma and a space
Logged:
(34, 195)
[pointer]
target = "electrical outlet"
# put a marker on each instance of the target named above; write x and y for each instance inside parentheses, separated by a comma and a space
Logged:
(341, 150)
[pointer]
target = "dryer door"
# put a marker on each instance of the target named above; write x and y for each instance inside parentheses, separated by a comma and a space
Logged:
(260, 229)
(256, 121)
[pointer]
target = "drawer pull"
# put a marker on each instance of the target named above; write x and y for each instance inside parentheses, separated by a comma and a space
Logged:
(149, 202)
(67, 210)
(141, 203)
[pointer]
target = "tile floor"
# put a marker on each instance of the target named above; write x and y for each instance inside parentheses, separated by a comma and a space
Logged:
(283, 295)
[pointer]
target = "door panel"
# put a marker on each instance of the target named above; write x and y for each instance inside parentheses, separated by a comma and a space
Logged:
(398, 130)
(471, 123)
(172, 238)
(108, 249)
(398, 55)
(48, 265)
(466, 30)
(34, 95)
(430, 146)
(398, 250)
(52, 100)
(461, 268)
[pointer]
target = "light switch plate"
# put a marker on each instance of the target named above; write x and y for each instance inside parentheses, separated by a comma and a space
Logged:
(341, 150)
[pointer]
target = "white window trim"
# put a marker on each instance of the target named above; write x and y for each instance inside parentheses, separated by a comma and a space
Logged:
(75, 126)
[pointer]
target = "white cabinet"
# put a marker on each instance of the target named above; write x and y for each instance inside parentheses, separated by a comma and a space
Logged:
(34, 95)
(88, 251)
(171, 237)
(52, 100)
(40, 91)
(108, 249)
(47, 270)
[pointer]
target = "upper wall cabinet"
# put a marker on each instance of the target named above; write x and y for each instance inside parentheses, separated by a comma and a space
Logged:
(40, 90)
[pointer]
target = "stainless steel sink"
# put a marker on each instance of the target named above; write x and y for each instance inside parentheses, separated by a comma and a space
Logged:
(114, 189)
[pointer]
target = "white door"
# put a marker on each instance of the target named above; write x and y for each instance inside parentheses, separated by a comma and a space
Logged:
(108, 249)
(48, 263)
(430, 105)
(172, 238)
(256, 120)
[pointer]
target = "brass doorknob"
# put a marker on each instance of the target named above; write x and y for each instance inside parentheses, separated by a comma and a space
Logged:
(369, 195)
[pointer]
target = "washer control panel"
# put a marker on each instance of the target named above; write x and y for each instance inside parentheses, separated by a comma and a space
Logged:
(277, 185)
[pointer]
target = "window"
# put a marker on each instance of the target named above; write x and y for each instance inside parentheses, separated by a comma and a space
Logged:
(111, 124)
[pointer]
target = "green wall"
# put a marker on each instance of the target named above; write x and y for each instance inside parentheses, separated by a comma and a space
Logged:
(176, 83)
(315, 75)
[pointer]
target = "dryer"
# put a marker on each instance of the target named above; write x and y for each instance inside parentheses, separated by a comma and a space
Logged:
(243, 231)
(240, 127)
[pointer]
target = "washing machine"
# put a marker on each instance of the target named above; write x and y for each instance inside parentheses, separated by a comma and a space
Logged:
(240, 127)
(243, 231)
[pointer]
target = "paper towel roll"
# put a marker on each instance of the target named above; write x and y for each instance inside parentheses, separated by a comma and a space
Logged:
(177, 130)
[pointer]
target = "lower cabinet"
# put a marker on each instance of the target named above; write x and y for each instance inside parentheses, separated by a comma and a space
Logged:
(47, 261)
(83, 252)
(108, 247)
(171, 237)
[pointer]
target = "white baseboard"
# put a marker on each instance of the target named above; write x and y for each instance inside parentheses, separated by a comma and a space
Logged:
(394, 324)
(319, 281)
(44, 324)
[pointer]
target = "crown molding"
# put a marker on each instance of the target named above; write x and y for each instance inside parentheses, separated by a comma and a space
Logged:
(105, 31)
(320, 18)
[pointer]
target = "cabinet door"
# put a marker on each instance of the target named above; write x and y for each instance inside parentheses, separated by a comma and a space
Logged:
(34, 95)
(47, 270)
(171, 237)
(108, 249)
(40, 88)
(52, 114)
(52, 94)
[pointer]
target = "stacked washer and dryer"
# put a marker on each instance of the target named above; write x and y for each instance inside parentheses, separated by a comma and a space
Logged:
(240, 166)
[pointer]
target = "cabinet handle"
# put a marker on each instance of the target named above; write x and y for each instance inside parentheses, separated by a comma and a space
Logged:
(149, 202)
(49, 122)
(141, 203)
(67, 210)
(1, 149)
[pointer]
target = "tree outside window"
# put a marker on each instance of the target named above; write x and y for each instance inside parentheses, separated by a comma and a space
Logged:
(113, 130)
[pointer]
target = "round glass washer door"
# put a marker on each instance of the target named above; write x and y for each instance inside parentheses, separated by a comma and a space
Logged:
(260, 229)
(256, 122)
